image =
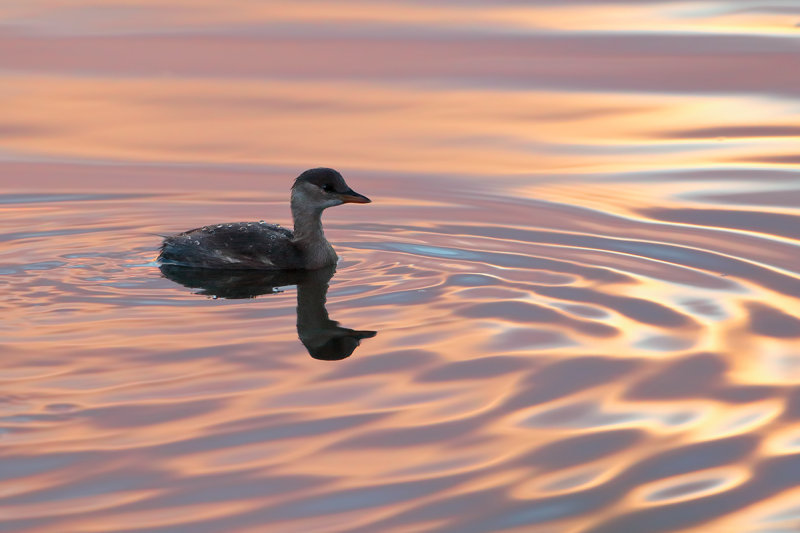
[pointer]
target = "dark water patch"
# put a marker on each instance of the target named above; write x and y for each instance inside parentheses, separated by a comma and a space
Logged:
(690, 458)
(585, 311)
(689, 377)
(565, 378)
(20, 466)
(22, 419)
(418, 435)
(637, 309)
(18, 269)
(777, 159)
(390, 362)
(538, 511)
(11, 130)
(529, 339)
(577, 416)
(363, 498)
(12, 199)
(768, 478)
(674, 63)
(111, 480)
(792, 407)
(410, 297)
(492, 294)
(17, 236)
(583, 449)
(226, 487)
(721, 175)
(768, 223)
(665, 343)
(134, 415)
(283, 431)
(774, 198)
(733, 131)
(457, 511)
(476, 369)
(771, 322)
(743, 394)
(785, 9)
(523, 312)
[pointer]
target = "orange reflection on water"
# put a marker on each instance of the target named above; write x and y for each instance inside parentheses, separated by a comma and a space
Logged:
(164, 15)
(580, 262)
(372, 127)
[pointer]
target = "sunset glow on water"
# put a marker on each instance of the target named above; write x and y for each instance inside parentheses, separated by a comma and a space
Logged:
(575, 294)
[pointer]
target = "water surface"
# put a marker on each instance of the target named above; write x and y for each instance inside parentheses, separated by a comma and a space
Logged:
(580, 264)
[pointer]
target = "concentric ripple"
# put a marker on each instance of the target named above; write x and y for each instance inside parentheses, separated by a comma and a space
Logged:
(524, 373)
(573, 305)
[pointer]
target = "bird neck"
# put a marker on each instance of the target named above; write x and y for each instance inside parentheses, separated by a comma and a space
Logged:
(307, 222)
(308, 235)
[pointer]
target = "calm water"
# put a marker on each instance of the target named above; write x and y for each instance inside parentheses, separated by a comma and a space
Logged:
(576, 291)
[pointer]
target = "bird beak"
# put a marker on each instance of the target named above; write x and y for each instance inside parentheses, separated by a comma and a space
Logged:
(352, 197)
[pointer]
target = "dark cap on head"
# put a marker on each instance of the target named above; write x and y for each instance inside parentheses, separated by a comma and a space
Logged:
(324, 176)
(330, 181)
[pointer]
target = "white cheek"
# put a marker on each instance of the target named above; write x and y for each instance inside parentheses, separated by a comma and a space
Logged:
(332, 202)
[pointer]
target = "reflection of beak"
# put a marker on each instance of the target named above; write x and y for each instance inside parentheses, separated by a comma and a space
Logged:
(352, 197)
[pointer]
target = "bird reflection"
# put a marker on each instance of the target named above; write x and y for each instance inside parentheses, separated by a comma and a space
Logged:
(323, 338)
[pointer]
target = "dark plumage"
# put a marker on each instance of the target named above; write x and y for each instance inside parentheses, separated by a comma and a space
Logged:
(258, 245)
(249, 245)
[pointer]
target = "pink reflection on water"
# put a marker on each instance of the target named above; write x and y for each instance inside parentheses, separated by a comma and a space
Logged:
(580, 261)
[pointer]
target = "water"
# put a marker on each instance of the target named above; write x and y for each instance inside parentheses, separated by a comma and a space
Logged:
(573, 305)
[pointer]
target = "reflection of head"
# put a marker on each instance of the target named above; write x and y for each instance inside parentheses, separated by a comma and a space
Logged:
(323, 338)
(336, 346)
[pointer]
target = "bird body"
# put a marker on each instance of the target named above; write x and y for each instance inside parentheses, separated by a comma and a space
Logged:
(258, 245)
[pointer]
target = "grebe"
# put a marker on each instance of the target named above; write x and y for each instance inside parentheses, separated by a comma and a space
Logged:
(258, 245)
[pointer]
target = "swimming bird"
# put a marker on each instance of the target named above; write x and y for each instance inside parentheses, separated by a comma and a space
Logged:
(259, 245)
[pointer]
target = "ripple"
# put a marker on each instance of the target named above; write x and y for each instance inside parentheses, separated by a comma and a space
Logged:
(583, 449)
(768, 321)
(573, 300)
(688, 487)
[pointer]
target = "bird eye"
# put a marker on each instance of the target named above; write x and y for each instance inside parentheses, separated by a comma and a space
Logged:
(327, 188)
